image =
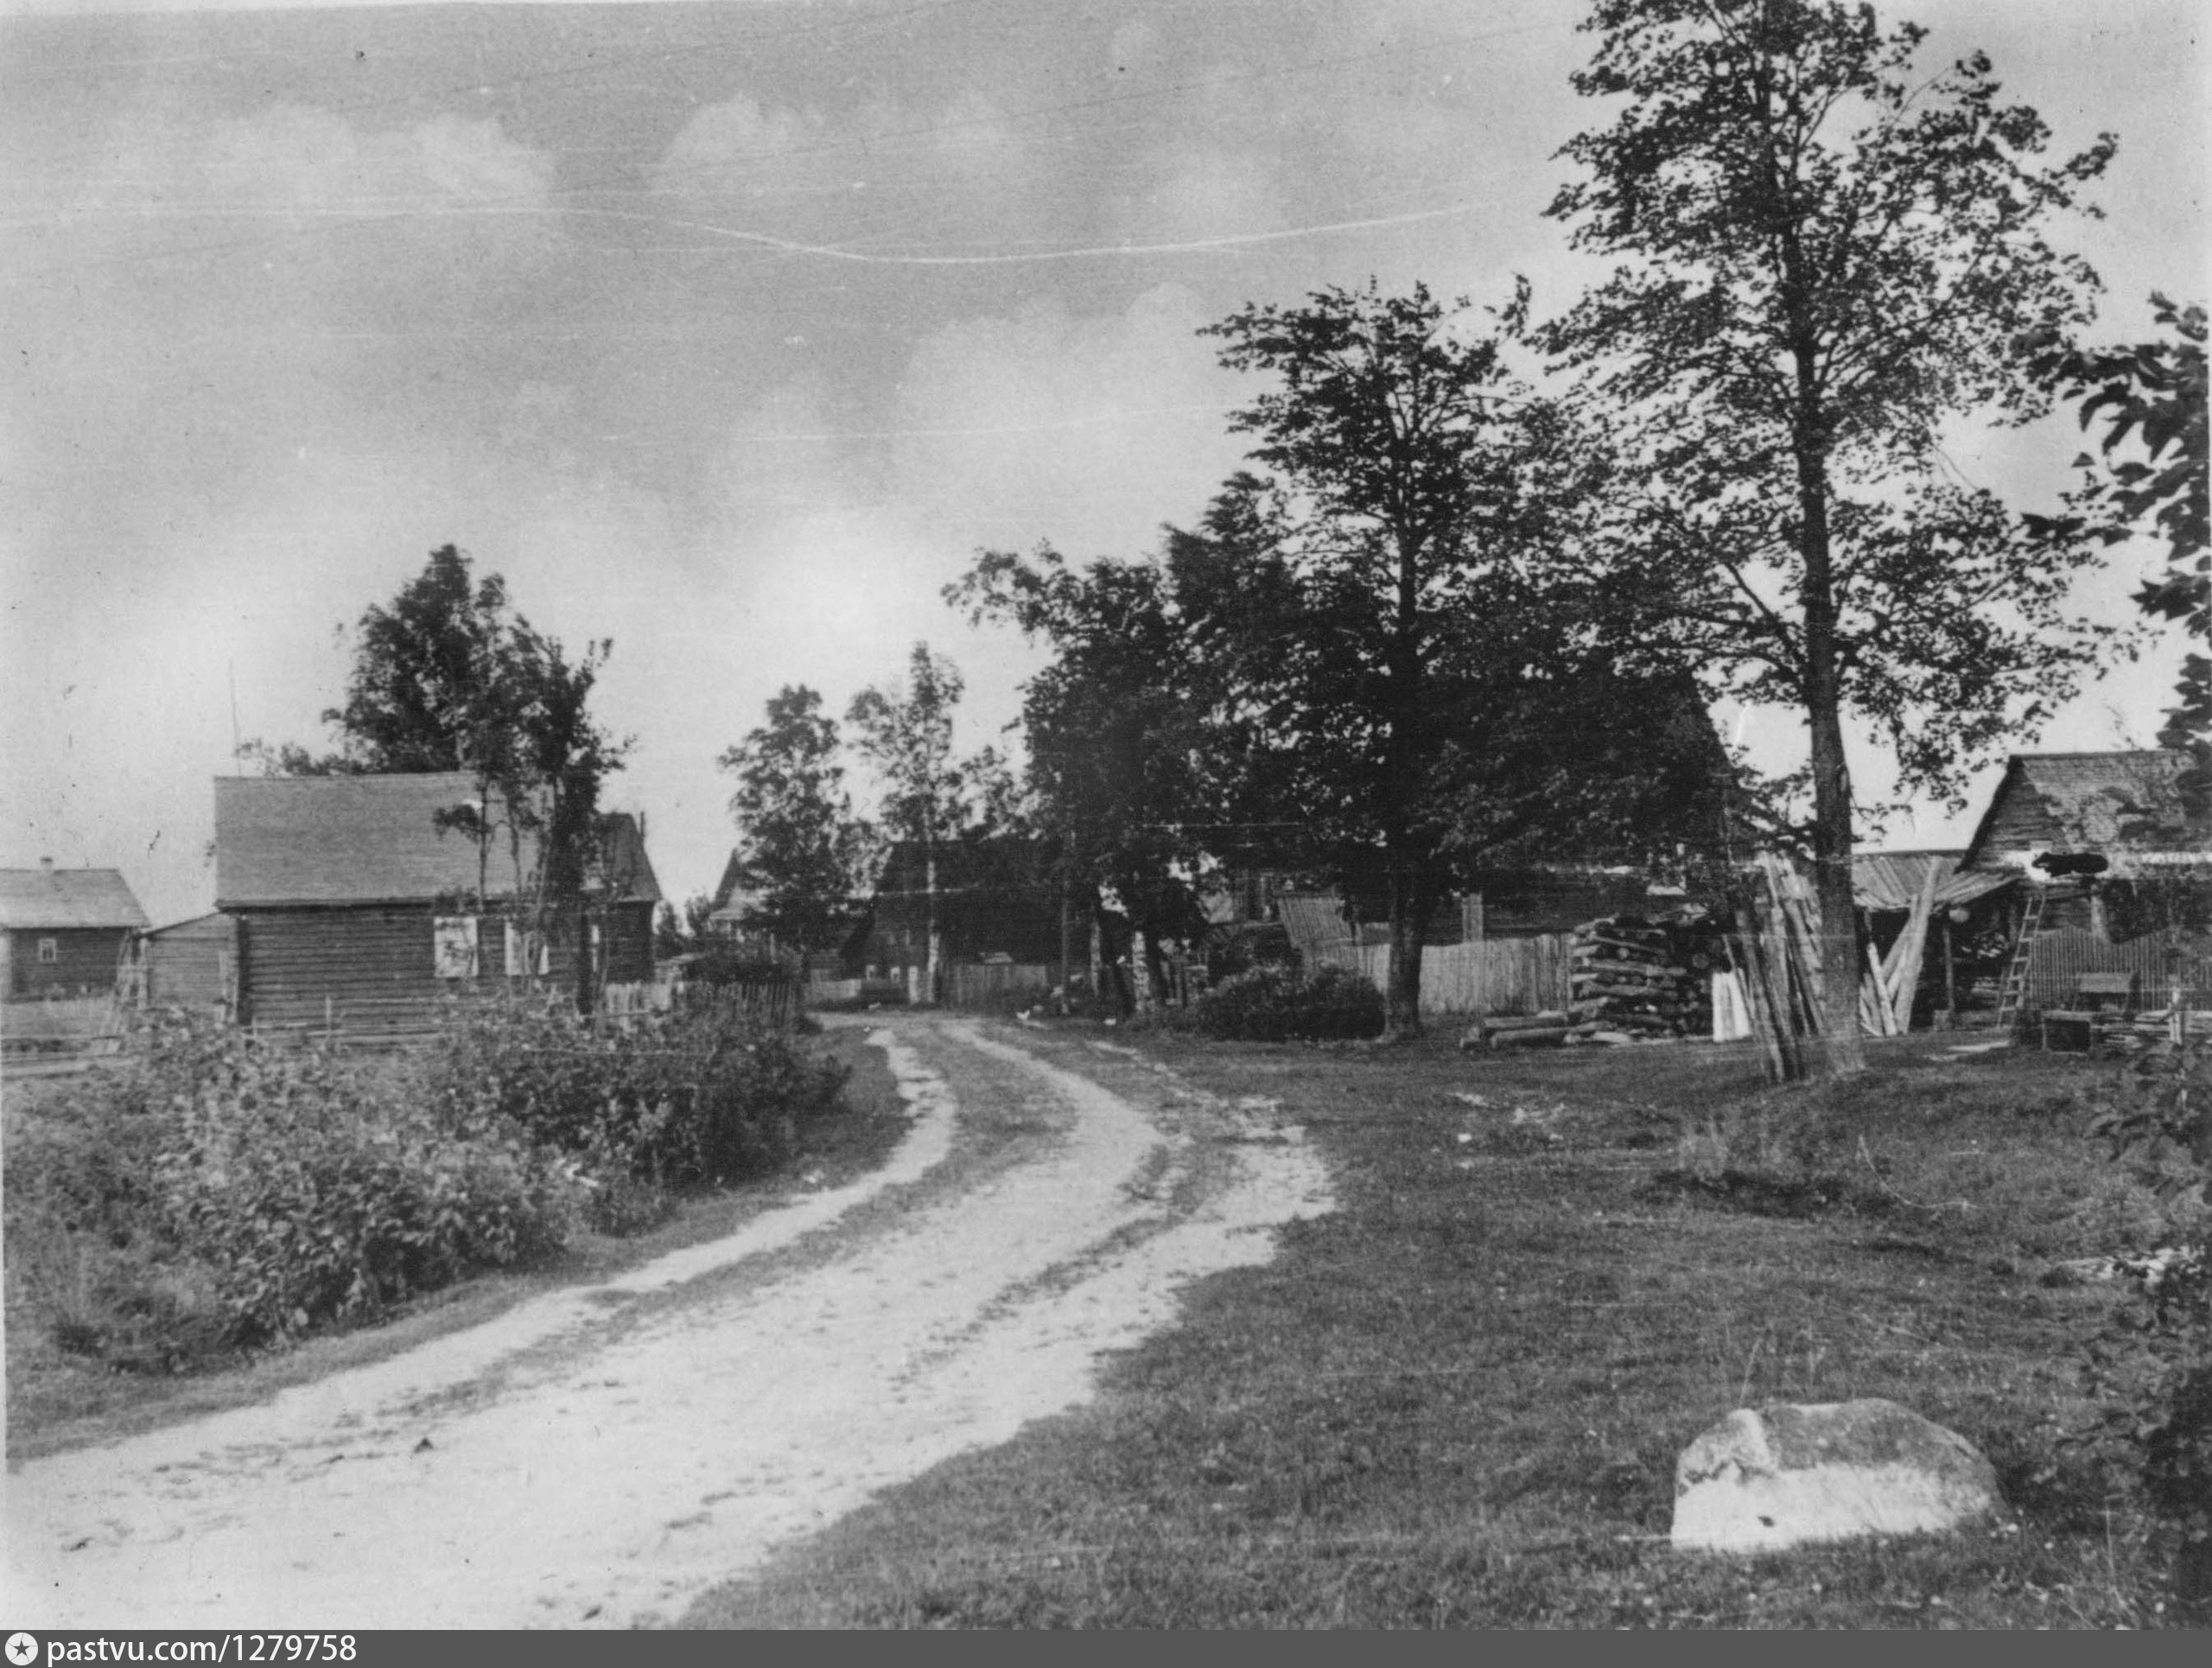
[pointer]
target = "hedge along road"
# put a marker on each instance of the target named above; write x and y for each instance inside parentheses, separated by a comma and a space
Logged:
(600, 1456)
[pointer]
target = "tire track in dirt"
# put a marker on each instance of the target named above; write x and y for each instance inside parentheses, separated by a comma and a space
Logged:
(574, 1465)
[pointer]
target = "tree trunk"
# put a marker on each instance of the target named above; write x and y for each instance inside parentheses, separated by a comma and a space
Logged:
(933, 951)
(1155, 968)
(1842, 1049)
(1408, 922)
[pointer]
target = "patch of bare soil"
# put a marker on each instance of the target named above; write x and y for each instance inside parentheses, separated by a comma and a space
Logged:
(599, 1456)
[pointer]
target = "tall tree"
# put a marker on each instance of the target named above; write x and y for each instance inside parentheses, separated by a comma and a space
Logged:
(905, 731)
(2152, 476)
(1381, 573)
(1824, 256)
(801, 850)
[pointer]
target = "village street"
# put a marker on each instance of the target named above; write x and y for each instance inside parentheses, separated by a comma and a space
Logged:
(600, 1456)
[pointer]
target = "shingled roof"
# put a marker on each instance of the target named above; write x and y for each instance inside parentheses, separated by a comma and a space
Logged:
(60, 899)
(2108, 802)
(301, 840)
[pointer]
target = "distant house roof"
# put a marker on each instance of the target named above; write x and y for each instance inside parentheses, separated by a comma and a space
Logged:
(375, 839)
(1888, 881)
(2110, 802)
(63, 898)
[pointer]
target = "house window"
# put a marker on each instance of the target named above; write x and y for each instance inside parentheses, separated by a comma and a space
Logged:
(453, 946)
(49, 952)
(518, 945)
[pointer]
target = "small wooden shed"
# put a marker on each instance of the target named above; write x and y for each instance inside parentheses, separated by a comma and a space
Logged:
(191, 964)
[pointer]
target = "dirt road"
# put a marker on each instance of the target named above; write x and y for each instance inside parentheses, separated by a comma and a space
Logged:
(600, 1457)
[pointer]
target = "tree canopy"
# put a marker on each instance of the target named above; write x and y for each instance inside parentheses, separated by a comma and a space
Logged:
(1368, 596)
(450, 677)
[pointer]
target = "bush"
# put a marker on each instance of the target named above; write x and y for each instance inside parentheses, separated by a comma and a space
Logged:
(219, 1191)
(2153, 1366)
(1275, 1004)
(674, 1100)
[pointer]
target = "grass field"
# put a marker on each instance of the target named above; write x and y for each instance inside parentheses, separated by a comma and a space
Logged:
(1458, 1400)
(57, 1400)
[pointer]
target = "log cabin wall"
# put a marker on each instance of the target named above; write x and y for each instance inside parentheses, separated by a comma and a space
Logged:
(374, 969)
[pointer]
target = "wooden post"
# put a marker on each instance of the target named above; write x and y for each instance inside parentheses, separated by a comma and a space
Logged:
(1067, 944)
(1950, 977)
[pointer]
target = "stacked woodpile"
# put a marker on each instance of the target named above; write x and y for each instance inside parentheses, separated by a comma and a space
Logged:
(2126, 1033)
(1634, 980)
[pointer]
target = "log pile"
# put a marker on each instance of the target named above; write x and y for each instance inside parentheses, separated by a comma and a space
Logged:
(1632, 980)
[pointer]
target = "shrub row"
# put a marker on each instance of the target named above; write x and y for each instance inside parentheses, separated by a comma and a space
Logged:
(1273, 1003)
(221, 1191)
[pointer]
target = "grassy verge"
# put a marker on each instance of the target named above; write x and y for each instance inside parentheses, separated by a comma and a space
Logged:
(1458, 1400)
(57, 1400)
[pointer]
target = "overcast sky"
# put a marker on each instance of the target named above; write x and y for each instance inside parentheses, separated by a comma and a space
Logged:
(732, 332)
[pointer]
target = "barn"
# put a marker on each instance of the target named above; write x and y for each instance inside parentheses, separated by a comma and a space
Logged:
(360, 906)
(64, 932)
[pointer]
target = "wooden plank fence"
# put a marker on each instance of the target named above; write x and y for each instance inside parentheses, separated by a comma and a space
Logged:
(1491, 976)
(991, 987)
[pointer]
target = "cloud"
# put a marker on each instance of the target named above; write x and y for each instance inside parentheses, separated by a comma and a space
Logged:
(880, 174)
(1088, 431)
(318, 161)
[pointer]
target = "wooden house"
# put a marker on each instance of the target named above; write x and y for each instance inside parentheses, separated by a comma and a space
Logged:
(360, 906)
(64, 932)
(2128, 807)
(993, 901)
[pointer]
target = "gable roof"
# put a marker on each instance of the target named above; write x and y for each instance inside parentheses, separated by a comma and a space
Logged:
(2086, 801)
(64, 898)
(374, 839)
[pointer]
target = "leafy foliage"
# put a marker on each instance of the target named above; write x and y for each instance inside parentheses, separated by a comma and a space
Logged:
(224, 1192)
(801, 850)
(221, 1191)
(2154, 1365)
(1276, 1003)
(2151, 476)
(1821, 256)
(678, 1099)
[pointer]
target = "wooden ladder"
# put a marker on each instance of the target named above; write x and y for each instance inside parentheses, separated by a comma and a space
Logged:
(2012, 993)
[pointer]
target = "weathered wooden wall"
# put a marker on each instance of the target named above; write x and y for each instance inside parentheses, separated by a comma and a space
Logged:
(190, 964)
(371, 970)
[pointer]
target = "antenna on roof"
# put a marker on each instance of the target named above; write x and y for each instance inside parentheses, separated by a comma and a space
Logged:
(238, 741)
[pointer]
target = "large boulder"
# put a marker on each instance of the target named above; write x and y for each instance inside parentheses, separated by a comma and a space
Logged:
(1789, 1474)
